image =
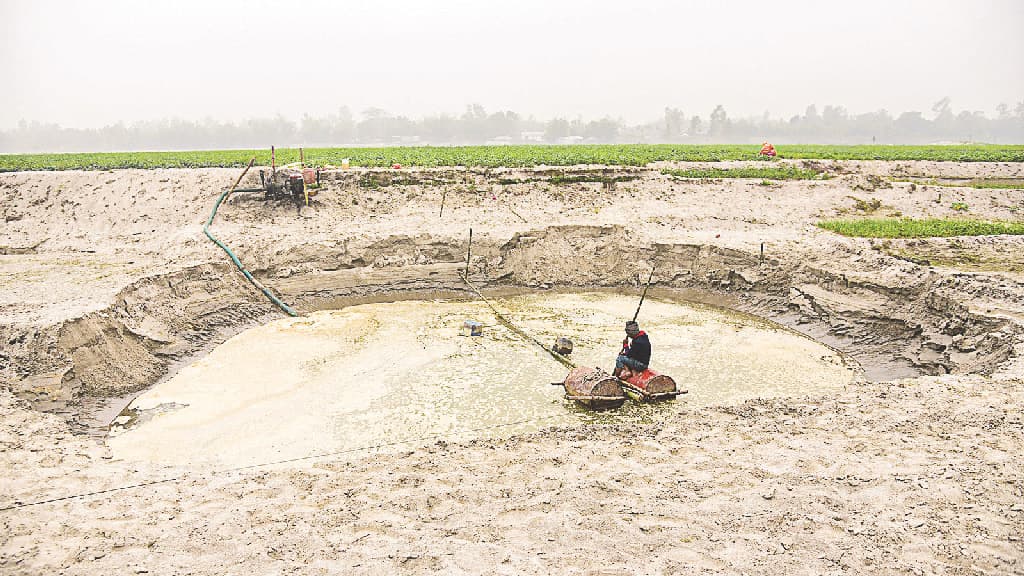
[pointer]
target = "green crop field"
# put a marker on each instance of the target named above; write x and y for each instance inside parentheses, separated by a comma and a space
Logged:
(911, 228)
(496, 156)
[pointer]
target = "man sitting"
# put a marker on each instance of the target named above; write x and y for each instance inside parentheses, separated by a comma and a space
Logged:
(767, 150)
(635, 354)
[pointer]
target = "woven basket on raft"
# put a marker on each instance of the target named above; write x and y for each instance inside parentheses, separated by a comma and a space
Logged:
(659, 384)
(593, 386)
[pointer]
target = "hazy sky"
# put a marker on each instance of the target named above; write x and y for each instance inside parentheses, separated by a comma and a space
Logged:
(90, 63)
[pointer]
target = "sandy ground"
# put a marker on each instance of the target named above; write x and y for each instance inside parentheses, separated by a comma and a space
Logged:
(914, 475)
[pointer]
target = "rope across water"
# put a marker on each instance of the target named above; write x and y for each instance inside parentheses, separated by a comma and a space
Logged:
(508, 324)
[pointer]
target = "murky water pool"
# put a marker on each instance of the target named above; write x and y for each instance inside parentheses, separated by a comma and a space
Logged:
(376, 375)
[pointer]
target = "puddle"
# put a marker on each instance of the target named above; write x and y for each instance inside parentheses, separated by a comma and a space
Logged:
(377, 374)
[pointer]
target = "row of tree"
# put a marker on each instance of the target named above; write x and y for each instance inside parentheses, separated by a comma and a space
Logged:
(375, 127)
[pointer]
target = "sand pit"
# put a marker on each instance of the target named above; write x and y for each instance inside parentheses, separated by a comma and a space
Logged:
(337, 382)
(110, 290)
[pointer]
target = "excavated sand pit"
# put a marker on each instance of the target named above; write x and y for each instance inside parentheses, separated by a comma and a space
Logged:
(335, 382)
(110, 290)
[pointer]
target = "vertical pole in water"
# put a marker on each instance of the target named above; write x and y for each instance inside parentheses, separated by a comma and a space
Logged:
(469, 251)
(443, 196)
(762, 251)
(273, 161)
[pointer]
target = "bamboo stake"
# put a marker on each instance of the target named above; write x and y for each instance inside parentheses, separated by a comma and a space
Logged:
(518, 215)
(469, 252)
(240, 176)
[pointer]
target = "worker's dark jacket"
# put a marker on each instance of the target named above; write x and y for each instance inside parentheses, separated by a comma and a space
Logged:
(640, 349)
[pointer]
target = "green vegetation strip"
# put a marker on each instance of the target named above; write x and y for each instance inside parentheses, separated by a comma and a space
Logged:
(911, 228)
(1019, 184)
(496, 156)
(983, 183)
(768, 173)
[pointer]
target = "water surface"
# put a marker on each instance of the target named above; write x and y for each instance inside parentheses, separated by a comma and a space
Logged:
(377, 374)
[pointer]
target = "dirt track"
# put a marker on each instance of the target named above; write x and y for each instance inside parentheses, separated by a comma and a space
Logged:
(108, 284)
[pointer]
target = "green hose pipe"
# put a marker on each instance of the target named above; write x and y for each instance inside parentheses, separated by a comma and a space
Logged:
(206, 229)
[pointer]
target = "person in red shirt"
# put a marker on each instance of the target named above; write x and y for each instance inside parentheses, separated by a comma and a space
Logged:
(767, 150)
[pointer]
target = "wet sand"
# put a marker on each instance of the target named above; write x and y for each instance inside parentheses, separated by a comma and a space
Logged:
(336, 381)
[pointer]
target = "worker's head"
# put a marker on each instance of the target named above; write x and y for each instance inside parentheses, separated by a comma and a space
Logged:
(632, 329)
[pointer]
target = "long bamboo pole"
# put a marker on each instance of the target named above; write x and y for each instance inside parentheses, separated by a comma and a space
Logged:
(518, 331)
(644, 295)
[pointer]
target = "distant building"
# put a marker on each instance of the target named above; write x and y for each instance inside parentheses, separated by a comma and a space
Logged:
(532, 136)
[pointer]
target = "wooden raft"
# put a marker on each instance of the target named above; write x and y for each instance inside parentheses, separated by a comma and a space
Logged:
(593, 388)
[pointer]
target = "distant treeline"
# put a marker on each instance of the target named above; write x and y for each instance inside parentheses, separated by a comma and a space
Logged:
(375, 127)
